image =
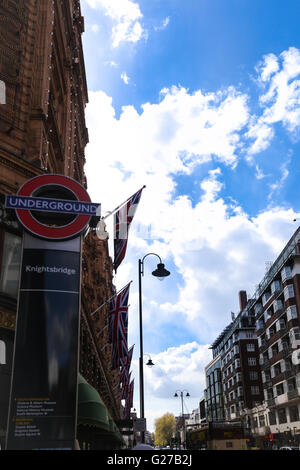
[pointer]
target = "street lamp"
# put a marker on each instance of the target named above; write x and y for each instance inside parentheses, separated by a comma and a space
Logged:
(161, 273)
(149, 363)
(183, 420)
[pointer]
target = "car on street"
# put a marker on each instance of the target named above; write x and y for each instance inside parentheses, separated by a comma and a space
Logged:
(289, 448)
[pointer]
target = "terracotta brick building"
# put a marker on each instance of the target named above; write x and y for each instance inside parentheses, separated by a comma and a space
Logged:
(43, 129)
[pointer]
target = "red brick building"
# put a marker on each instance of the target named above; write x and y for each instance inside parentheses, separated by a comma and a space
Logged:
(238, 350)
(43, 129)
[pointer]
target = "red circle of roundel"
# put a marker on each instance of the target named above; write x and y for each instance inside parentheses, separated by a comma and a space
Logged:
(44, 231)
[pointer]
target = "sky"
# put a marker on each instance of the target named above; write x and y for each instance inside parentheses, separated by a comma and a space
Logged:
(199, 100)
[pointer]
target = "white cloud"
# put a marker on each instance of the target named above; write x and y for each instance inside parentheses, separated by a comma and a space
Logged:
(283, 95)
(126, 16)
(176, 134)
(163, 24)
(125, 78)
(279, 77)
(212, 243)
(262, 134)
(112, 64)
(267, 67)
(177, 368)
(275, 187)
(95, 28)
(259, 173)
(214, 247)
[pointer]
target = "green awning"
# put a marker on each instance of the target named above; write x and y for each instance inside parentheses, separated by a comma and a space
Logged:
(91, 409)
(93, 412)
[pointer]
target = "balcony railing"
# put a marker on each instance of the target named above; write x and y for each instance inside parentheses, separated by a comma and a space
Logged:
(286, 351)
(264, 345)
(283, 330)
(289, 373)
(277, 265)
(292, 394)
(271, 402)
(265, 364)
(268, 384)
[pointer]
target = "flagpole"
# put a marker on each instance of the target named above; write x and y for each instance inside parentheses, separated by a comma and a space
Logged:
(100, 332)
(98, 308)
(121, 205)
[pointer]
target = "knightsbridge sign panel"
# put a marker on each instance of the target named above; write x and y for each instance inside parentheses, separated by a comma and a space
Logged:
(42, 411)
(43, 398)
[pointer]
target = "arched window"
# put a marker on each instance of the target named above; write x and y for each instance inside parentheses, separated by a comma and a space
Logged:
(2, 352)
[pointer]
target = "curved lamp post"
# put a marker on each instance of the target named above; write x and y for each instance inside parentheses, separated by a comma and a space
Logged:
(161, 273)
(149, 363)
(183, 420)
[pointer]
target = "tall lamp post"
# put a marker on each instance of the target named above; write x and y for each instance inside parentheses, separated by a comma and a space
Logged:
(183, 420)
(161, 273)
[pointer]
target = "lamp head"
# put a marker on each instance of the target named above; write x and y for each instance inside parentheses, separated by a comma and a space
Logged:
(161, 272)
(150, 363)
(175, 395)
(188, 395)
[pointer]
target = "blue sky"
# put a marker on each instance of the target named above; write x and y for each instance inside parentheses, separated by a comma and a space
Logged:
(200, 101)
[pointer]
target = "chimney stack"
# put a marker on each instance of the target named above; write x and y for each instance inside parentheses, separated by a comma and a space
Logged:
(242, 299)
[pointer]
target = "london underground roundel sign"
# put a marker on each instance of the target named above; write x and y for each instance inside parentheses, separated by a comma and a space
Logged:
(77, 203)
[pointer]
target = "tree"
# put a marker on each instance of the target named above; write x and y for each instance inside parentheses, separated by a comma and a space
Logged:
(165, 428)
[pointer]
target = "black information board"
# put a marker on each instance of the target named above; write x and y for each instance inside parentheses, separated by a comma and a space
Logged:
(43, 402)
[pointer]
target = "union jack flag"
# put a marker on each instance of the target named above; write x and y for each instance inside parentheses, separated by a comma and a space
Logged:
(119, 351)
(125, 365)
(129, 401)
(122, 220)
(118, 316)
(125, 389)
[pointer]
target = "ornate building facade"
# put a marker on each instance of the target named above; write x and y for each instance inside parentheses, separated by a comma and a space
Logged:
(43, 129)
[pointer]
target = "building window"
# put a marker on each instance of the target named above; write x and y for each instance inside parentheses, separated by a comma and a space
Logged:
(251, 361)
(294, 413)
(253, 375)
(250, 347)
(291, 312)
(281, 416)
(254, 421)
(289, 292)
(10, 259)
(275, 286)
(277, 369)
(260, 324)
(238, 377)
(262, 421)
(265, 297)
(279, 389)
(255, 390)
(286, 273)
(272, 418)
(2, 353)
